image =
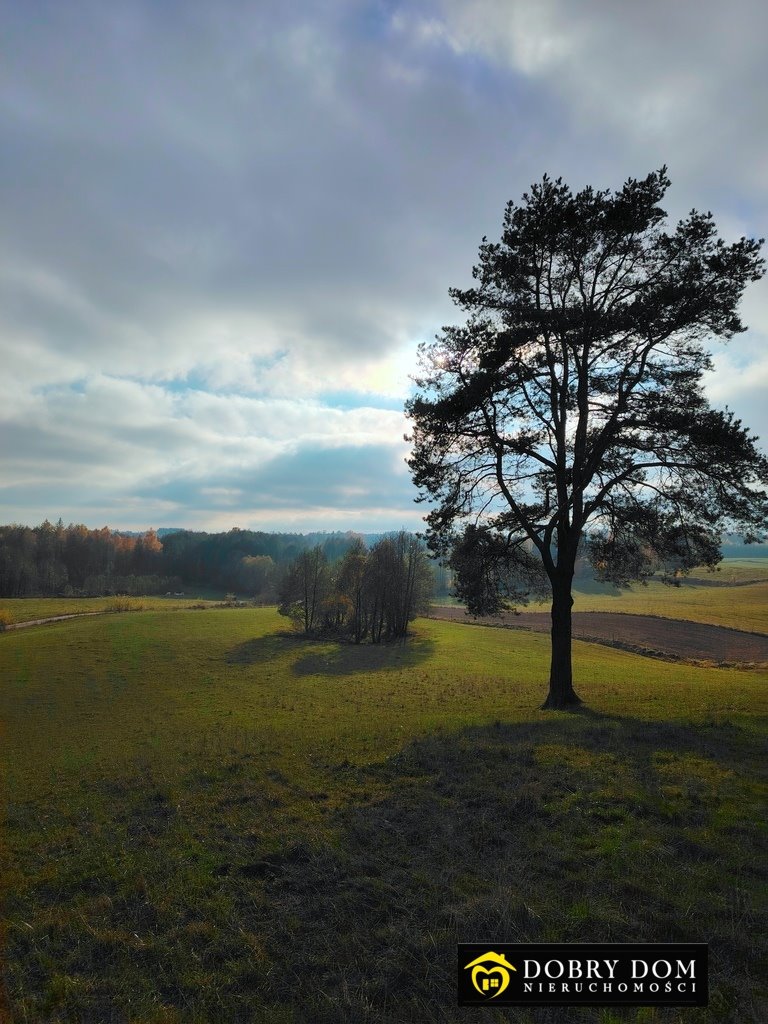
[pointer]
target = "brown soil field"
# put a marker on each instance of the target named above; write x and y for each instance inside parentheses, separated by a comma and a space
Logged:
(654, 636)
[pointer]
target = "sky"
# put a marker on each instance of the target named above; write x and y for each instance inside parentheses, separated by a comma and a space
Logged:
(227, 225)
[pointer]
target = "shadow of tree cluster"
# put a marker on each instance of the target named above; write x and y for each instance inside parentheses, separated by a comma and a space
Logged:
(264, 648)
(331, 657)
(349, 659)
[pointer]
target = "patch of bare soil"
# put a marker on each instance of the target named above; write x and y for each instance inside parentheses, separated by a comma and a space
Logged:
(653, 636)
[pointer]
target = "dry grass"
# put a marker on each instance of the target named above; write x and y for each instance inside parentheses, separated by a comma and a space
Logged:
(740, 607)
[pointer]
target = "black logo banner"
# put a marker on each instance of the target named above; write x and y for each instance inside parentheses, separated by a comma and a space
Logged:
(583, 974)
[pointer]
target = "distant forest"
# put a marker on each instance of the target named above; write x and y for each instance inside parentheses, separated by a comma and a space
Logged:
(53, 560)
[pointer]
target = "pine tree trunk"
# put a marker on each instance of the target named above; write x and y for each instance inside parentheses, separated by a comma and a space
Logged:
(561, 692)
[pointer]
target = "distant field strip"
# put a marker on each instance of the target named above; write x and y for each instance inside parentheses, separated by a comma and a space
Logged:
(743, 605)
(739, 607)
(734, 571)
(644, 634)
(27, 609)
(25, 623)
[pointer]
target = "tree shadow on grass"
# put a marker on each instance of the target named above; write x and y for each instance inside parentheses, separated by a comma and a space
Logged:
(578, 828)
(264, 648)
(350, 659)
(587, 829)
(328, 657)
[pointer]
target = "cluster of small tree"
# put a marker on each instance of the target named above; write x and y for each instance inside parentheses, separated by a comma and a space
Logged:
(366, 595)
(53, 559)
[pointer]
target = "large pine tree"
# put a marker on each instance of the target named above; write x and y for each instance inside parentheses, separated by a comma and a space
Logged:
(568, 413)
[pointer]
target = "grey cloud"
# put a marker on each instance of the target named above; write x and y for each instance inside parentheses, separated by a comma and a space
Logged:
(678, 83)
(168, 168)
(110, 437)
(274, 201)
(343, 485)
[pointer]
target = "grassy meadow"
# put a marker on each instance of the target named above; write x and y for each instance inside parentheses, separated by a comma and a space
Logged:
(208, 819)
(734, 571)
(26, 609)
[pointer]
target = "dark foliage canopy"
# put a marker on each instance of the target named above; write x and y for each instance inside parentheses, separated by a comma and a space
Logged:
(568, 411)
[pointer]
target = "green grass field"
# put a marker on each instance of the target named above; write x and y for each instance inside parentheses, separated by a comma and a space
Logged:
(24, 609)
(210, 820)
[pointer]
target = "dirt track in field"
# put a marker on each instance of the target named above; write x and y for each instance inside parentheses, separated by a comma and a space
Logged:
(653, 636)
(50, 618)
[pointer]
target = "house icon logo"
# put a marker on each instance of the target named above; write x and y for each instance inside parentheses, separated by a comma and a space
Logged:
(490, 981)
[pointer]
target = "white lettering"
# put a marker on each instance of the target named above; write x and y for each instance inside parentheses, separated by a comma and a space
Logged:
(527, 969)
(636, 965)
(574, 969)
(659, 968)
(593, 968)
(667, 986)
(622, 986)
(611, 965)
(593, 986)
(681, 987)
(527, 987)
(639, 986)
(682, 970)
(653, 987)
(549, 969)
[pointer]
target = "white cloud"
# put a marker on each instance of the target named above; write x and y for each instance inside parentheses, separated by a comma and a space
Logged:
(227, 226)
(113, 436)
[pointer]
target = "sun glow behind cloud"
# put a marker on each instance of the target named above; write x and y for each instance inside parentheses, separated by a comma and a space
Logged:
(227, 227)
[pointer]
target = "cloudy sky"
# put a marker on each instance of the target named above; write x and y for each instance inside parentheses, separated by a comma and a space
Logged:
(226, 226)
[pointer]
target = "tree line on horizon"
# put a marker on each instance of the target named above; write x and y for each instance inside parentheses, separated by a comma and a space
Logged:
(54, 560)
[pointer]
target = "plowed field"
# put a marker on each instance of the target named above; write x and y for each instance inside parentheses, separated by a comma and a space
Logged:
(645, 634)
